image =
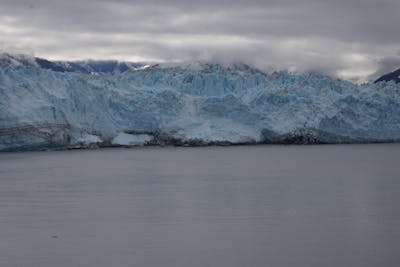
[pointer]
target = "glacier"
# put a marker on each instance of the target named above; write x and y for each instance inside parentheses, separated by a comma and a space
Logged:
(195, 104)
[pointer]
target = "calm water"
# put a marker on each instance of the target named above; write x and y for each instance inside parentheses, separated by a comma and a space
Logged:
(182, 207)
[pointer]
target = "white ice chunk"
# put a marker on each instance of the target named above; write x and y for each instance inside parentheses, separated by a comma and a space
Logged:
(125, 139)
(88, 139)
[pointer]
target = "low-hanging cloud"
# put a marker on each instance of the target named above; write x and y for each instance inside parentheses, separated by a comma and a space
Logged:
(349, 39)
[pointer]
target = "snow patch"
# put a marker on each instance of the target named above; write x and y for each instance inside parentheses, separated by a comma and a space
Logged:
(143, 67)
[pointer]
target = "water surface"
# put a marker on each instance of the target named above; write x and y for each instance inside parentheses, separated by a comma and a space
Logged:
(333, 205)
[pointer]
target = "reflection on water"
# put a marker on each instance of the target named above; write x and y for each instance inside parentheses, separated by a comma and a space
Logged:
(231, 206)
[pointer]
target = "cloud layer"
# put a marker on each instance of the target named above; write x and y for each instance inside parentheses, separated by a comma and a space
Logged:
(352, 39)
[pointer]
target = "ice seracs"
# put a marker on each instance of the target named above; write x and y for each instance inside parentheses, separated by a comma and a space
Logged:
(205, 104)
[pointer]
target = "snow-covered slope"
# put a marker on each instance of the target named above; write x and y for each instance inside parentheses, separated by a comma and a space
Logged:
(202, 104)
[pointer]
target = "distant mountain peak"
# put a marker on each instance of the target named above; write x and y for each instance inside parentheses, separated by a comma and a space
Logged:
(392, 76)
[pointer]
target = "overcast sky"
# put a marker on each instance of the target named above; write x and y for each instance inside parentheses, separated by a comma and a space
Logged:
(352, 39)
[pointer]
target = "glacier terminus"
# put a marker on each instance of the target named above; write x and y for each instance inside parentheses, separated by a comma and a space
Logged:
(195, 104)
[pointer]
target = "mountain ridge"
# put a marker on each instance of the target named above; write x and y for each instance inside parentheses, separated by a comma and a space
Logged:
(81, 66)
(101, 67)
(391, 76)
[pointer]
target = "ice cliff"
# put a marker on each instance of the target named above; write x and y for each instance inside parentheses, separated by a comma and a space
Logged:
(190, 105)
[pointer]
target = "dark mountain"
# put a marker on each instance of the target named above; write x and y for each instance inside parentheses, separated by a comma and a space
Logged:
(392, 76)
(45, 64)
(86, 67)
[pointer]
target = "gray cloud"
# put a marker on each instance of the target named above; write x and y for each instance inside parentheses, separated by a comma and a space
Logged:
(386, 65)
(350, 39)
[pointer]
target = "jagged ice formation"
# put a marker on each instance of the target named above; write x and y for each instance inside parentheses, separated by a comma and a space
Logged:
(190, 105)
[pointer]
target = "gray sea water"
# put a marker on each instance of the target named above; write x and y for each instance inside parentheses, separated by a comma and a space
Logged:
(331, 205)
